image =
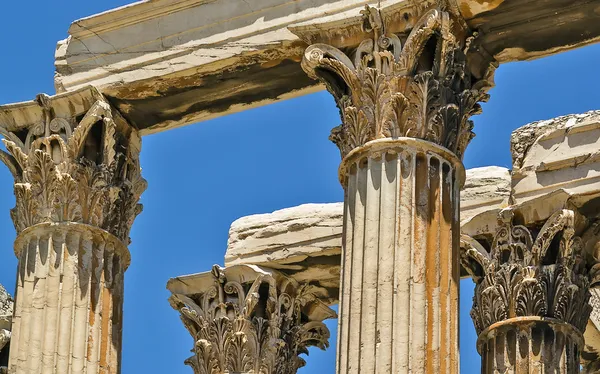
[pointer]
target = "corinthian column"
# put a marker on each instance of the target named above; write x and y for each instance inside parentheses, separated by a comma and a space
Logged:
(531, 297)
(77, 184)
(405, 102)
(246, 319)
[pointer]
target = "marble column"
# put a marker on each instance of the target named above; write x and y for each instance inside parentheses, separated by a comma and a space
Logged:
(248, 319)
(531, 297)
(75, 161)
(405, 102)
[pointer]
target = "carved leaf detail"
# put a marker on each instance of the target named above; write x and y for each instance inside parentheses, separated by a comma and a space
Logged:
(252, 326)
(27, 207)
(357, 127)
(67, 209)
(532, 278)
(56, 181)
(424, 101)
(11, 163)
(41, 174)
(17, 153)
(421, 89)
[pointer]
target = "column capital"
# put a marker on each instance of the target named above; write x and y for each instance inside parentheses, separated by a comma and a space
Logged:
(530, 272)
(417, 85)
(74, 159)
(531, 303)
(249, 319)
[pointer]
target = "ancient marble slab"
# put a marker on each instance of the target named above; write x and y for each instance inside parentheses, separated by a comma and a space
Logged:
(560, 153)
(484, 188)
(6, 311)
(168, 63)
(303, 241)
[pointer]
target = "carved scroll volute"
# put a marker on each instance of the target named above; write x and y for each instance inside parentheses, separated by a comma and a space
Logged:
(386, 89)
(526, 277)
(83, 168)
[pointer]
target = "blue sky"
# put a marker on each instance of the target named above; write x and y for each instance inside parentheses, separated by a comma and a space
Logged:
(204, 176)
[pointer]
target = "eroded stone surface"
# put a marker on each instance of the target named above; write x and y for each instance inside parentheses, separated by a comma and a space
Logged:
(533, 283)
(75, 163)
(6, 303)
(485, 187)
(249, 319)
(167, 63)
(591, 355)
(301, 231)
(303, 241)
(6, 311)
(560, 153)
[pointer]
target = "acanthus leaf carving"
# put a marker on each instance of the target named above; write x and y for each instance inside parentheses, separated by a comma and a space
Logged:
(400, 89)
(65, 171)
(253, 325)
(529, 275)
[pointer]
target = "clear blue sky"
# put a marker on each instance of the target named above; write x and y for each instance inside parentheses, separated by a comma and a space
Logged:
(202, 177)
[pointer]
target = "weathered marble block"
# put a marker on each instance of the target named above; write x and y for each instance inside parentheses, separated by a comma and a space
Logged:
(6, 311)
(560, 153)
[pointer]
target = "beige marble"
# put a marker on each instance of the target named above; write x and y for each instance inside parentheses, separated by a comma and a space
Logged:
(168, 63)
(75, 163)
(6, 312)
(249, 319)
(560, 153)
(406, 77)
(531, 308)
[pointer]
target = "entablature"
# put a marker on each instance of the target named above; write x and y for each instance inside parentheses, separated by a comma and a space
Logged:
(167, 63)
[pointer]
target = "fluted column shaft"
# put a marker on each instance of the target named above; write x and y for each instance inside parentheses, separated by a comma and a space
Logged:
(68, 312)
(400, 271)
(530, 345)
(78, 181)
(405, 101)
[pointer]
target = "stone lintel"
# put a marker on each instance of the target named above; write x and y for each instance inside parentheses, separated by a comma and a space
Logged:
(187, 61)
(167, 63)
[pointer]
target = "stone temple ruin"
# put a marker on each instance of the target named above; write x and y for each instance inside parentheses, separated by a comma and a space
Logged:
(407, 75)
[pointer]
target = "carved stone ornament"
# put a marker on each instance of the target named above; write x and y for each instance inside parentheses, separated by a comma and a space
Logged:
(528, 275)
(247, 320)
(393, 86)
(82, 169)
